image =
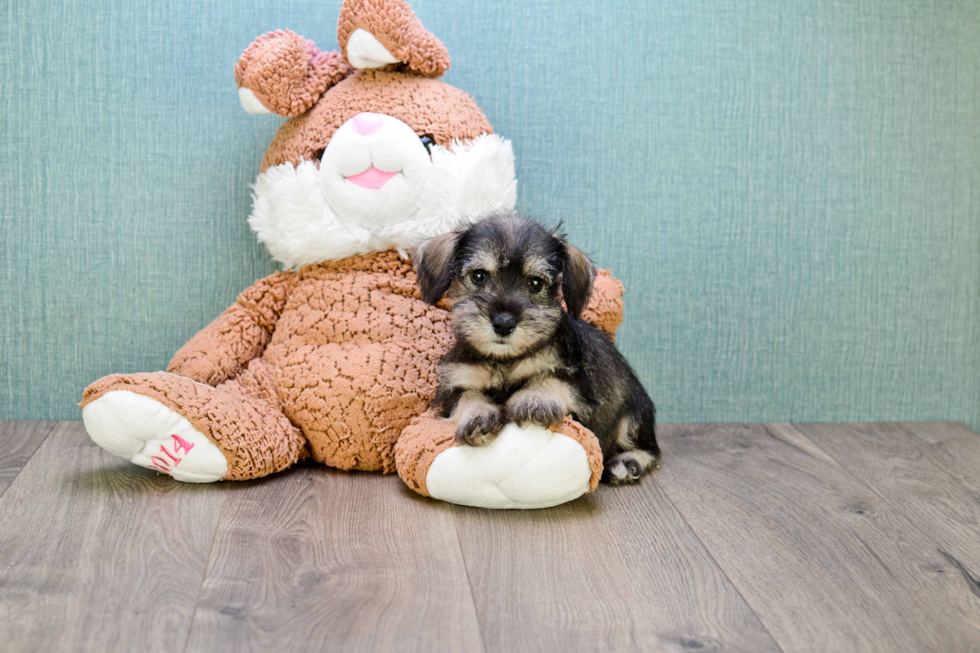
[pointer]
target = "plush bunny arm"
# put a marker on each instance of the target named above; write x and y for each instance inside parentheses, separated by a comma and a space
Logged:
(605, 308)
(287, 73)
(223, 348)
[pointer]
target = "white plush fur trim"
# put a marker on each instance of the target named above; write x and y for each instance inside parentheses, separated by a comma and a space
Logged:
(529, 467)
(292, 217)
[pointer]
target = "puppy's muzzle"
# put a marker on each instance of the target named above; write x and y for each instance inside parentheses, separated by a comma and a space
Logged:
(503, 324)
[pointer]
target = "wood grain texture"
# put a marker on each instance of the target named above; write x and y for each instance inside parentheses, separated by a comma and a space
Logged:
(756, 538)
(614, 571)
(952, 447)
(18, 442)
(825, 562)
(899, 468)
(99, 555)
(317, 559)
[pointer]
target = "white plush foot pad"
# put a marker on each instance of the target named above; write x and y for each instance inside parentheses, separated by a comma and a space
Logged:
(148, 434)
(524, 467)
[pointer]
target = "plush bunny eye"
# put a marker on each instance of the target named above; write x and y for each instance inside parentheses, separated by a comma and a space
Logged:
(478, 277)
(535, 285)
(427, 142)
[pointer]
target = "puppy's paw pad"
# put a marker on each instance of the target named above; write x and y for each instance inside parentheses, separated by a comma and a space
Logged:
(536, 410)
(475, 439)
(628, 467)
(480, 428)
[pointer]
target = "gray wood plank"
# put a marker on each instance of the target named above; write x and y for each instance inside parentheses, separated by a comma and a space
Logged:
(617, 570)
(953, 447)
(97, 554)
(18, 442)
(887, 458)
(825, 562)
(320, 559)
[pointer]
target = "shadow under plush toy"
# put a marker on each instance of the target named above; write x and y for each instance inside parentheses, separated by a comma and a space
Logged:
(336, 358)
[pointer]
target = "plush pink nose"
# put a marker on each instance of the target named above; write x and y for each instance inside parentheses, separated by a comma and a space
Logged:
(366, 124)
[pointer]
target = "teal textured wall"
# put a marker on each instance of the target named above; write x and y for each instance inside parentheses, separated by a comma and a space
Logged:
(790, 190)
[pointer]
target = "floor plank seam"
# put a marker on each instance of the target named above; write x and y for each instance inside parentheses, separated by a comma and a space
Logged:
(898, 512)
(54, 425)
(714, 560)
(469, 582)
(207, 570)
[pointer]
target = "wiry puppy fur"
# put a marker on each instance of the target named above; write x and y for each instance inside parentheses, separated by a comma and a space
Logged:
(518, 356)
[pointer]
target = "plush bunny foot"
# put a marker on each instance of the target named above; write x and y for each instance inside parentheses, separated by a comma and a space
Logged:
(192, 431)
(524, 467)
(150, 435)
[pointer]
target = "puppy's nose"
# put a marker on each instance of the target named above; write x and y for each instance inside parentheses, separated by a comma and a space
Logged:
(503, 324)
(366, 124)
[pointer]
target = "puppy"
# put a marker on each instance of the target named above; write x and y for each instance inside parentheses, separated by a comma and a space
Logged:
(518, 356)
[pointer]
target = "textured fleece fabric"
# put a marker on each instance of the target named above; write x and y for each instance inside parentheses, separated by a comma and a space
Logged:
(242, 416)
(341, 356)
(287, 73)
(429, 106)
(394, 25)
(605, 308)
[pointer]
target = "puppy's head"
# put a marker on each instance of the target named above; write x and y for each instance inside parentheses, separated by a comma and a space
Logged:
(505, 277)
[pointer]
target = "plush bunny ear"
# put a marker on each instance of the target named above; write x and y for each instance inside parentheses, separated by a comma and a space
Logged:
(380, 33)
(283, 73)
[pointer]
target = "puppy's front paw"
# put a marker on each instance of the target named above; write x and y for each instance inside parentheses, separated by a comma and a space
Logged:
(480, 427)
(542, 408)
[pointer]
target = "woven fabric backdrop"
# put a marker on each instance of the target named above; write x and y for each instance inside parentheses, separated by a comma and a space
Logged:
(790, 190)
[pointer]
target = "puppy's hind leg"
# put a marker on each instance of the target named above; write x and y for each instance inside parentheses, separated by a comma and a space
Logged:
(628, 467)
(640, 454)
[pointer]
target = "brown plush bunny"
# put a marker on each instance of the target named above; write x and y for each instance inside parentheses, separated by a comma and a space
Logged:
(336, 357)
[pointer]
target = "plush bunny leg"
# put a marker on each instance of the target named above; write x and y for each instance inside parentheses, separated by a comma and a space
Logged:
(524, 467)
(191, 431)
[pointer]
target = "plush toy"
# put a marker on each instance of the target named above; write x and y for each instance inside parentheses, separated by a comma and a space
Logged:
(336, 357)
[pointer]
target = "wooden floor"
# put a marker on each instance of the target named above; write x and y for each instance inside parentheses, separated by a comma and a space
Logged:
(857, 537)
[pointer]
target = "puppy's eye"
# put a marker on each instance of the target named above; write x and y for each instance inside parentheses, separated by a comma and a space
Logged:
(535, 284)
(478, 277)
(427, 142)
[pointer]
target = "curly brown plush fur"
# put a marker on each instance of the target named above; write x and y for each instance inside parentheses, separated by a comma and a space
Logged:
(341, 355)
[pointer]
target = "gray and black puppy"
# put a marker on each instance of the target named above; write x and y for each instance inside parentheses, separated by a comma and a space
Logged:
(518, 356)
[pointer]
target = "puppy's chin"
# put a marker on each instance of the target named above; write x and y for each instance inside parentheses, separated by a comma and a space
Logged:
(479, 335)
(501, 348)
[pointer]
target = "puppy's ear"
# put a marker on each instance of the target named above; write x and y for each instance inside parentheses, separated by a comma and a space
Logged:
(433, 262)
(577, 278)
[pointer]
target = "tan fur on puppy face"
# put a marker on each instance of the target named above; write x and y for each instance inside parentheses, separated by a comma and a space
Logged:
(472, 323)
